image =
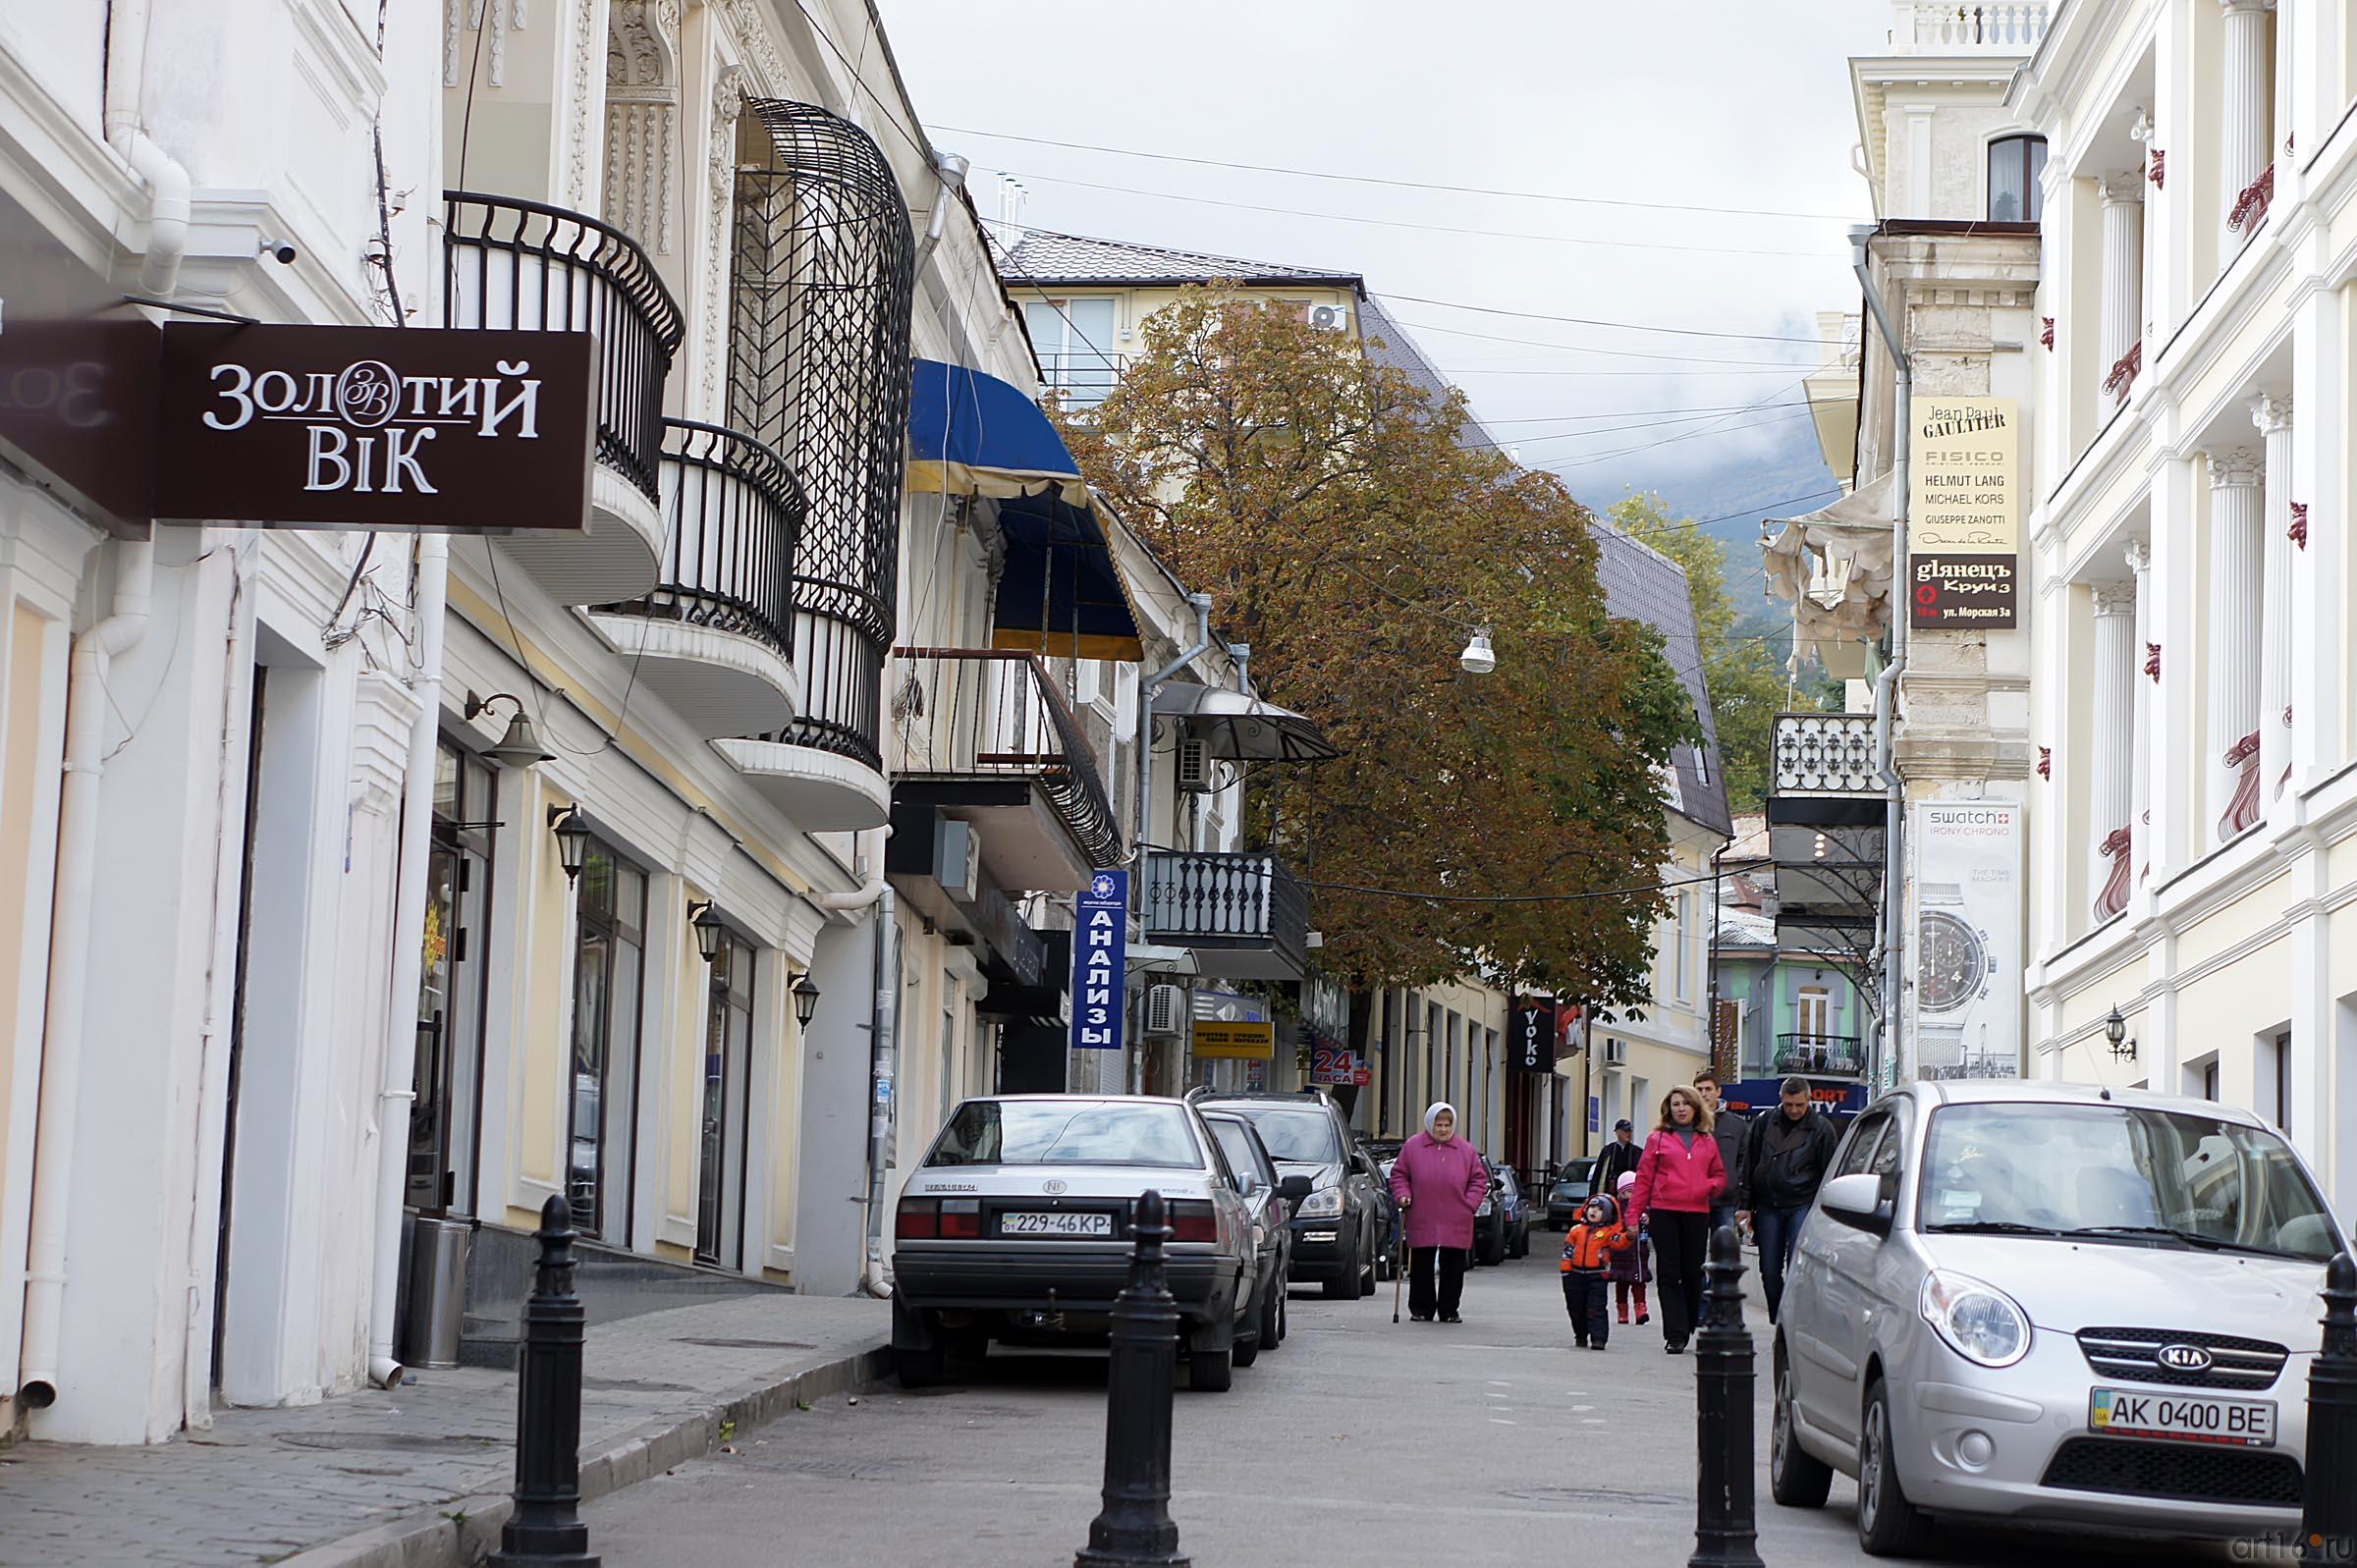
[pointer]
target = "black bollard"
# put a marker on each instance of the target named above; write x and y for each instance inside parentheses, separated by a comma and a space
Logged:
(1725, 1531)
(1134, 1530)
(2328, 1515)
(546, 1529)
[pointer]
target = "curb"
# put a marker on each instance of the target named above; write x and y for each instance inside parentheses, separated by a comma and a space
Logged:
(437, 1540)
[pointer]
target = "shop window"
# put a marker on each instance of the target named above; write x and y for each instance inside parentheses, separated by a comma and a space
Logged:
(445, 1118)
(727, 1107)
(609, 975)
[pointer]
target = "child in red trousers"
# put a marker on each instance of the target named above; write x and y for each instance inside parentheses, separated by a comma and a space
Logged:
(1630, 1270)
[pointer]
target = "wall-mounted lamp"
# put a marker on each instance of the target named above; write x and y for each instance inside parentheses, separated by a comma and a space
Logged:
(2116, 1030)
(1479, 658)
(520, 746)
(572, 840)
(805, 999)
(711, 937)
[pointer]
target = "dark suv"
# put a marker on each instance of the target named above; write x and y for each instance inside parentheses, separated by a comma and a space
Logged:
(1337, 1230)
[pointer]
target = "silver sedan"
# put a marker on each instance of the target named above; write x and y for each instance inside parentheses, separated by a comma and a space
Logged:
(2053, 1303)
(1017, 1226)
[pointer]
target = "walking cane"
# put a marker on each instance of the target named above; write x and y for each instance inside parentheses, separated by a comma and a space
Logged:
(1400, 1270)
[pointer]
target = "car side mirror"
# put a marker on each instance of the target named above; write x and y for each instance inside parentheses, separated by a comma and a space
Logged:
(1293, 1189)
(1857, 1201)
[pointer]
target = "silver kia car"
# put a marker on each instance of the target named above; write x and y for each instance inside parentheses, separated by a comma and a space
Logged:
(1017, 1226)
(2053, 1303)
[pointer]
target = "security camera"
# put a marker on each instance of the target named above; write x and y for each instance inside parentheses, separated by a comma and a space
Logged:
(278, 250)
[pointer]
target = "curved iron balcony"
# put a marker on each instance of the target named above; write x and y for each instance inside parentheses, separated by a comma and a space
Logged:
(974, 721)
(715, 637)
(1247, 916)
(524, 265)
(1819, 1056)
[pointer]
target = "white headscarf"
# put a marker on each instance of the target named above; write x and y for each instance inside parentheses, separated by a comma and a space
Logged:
(1433, 1112)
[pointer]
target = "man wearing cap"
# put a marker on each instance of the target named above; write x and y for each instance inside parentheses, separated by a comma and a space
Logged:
(1621, 1153)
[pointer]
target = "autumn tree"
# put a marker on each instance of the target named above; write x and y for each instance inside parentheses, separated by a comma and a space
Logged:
(1741, 671)
(1327, 505)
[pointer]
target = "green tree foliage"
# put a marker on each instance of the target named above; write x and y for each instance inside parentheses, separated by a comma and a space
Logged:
(1743, 669)
(1327, 505)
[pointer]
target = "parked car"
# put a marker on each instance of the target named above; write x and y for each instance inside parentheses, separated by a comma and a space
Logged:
(1272, 1198)
(1381, 1156)
(2053, 1303)
(1502, 1225)
(1572, 1186)
(1336, 1230)
(1019, 1223)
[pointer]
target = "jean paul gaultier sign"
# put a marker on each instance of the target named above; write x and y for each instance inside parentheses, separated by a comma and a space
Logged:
(1966, 1000)
(1100, 937)
(375, 427)
(1963, 512)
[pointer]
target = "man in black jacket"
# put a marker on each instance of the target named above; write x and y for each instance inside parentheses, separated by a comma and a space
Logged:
(1621, 1155)
(1786, 1154)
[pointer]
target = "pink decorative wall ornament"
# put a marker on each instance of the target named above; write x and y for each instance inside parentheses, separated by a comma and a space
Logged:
(2159, 174)
(2046, 762)
(2299, 524)
(2242, 811)
(2045, 331)
(2151, 660)
(2114, 897)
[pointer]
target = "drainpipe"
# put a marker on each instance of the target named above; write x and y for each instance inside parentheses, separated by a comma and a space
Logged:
(397, 1089)
(1145, 770)
(1886, 684)
(870, 855)
(70, 916)
(167, 182)
(950, 169)
(882, 1042)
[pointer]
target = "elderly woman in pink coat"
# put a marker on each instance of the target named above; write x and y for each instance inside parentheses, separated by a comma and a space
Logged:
(1440, 1180)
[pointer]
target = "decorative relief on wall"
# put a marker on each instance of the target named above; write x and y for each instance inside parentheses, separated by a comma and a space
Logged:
(502, 18)
(642, 121)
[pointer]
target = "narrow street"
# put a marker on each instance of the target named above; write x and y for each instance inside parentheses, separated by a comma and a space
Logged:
(1493, 1442)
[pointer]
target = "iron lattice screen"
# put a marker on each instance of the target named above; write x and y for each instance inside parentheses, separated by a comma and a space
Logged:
(823, 279)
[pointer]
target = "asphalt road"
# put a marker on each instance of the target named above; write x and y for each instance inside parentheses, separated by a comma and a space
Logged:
(1356, 1443)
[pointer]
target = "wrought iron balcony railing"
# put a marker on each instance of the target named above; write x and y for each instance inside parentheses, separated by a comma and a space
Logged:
(1971, 27)
(522, 265)
(1825, 754)
(1821, 1056)
(733, 517)
(1082, 377)
(1190, 897)
(990, 713)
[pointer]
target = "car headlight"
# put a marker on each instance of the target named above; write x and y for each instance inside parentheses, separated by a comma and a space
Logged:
(1487, 1209)
(1979, 1321)
(1325, 1201)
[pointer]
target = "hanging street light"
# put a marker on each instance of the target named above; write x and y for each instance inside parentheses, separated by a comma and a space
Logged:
(1479, 658)
(572, 840)
(805, 999)
(711, 937)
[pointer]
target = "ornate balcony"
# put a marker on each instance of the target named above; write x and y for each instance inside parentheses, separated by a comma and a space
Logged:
(1970, 27)
(715, 637)
(1808, 1055)
(525, 266)
(987, 738)
(1245, 915)
(1825, 754)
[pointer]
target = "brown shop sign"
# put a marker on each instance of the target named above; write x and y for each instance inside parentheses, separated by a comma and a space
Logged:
(375, 427)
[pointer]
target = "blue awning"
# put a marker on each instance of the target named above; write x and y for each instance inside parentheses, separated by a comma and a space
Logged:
(1059, 593)
(971, 434)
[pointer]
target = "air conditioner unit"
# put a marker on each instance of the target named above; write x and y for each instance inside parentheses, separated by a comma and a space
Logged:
(1195, 767)
(1334, 318)
(1165, 1009)
(1616, 1052)
(957, 859)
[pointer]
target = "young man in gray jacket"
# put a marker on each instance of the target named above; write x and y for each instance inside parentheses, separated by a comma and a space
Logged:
(1728, 1127)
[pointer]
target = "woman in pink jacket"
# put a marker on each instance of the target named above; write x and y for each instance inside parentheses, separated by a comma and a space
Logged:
(1440, 1180)
(1678, 1176)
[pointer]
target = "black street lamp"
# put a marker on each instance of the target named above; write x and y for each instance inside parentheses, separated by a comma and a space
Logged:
(572, 840)
(2116, 1030)
(711, 937)
(805, 999)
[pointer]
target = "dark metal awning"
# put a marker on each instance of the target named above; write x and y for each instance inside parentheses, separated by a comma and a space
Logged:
(1242, 728)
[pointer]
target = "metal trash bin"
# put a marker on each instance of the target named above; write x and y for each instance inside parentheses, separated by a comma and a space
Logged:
(435, 1310)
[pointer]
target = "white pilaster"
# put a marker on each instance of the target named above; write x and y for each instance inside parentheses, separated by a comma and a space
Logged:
(2110, 872)
(2232, 658)
(2271, 413)
(2175, 580)
(2123, 325)
(2245, 122)
(2140, 743)
(2322, 646)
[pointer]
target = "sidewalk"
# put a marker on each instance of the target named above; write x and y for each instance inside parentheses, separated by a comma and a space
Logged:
(418, 1477)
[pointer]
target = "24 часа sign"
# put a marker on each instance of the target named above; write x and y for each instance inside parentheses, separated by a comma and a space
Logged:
(373, 427)
(1964, 513)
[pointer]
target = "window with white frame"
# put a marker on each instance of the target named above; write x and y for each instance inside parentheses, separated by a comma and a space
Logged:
(1074, 339)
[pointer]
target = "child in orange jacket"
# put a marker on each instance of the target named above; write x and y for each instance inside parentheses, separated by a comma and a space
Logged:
(1589, 1251)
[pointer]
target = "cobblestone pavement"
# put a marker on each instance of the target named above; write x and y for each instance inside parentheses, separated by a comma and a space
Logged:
(263, 1484)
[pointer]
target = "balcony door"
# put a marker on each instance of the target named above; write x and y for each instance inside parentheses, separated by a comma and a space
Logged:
(1813, 1013)
(726, 1109)
(1074, 338)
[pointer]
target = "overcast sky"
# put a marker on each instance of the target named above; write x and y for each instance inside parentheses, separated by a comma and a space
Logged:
(1704, 103)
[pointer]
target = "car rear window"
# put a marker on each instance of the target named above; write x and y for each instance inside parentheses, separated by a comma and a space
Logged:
(1302, 1135)
(1063, 1132)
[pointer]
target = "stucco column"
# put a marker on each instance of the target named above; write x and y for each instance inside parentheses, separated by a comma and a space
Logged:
(2121, 326)
(2140, 730)
(2110, 758)
(2273, 415)
(2245, 125)
(2232, 656)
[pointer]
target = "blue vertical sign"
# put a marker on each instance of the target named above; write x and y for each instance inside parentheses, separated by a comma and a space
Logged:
(1100, 941)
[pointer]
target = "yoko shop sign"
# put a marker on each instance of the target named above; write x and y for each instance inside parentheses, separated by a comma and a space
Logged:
(1531, 1039)
(375, 427)
(1964, 513)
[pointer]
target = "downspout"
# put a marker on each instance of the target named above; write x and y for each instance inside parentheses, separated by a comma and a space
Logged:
(166, 181)
(1885, 683)
(397, 1089)
(870, 859)
(1145, 772)
(883, 1039)
(71, 918)
(949, 170)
